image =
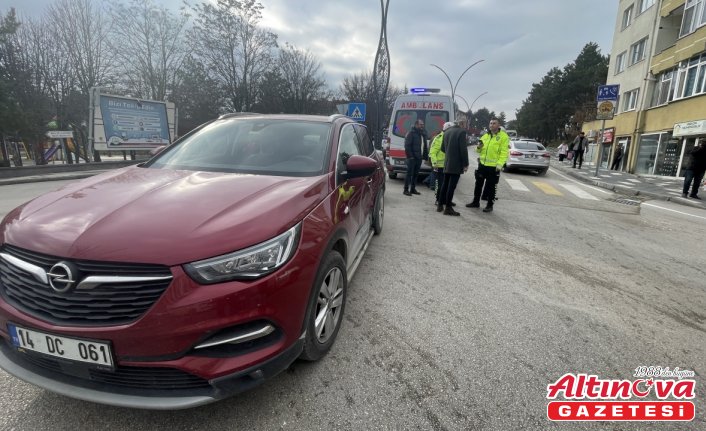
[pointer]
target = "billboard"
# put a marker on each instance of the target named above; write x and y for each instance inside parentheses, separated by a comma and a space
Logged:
(123, 123)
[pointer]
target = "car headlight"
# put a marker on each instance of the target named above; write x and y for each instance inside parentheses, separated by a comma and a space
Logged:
(247, 264)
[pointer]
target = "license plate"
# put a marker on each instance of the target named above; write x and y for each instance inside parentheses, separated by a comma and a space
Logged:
(530, 156)
(400, 162)
(91, 352)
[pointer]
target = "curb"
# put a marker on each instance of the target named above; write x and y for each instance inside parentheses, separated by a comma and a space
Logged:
(631, 192)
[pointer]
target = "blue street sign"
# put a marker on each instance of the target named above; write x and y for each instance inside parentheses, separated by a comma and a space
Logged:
(608, 92)
(356, 111)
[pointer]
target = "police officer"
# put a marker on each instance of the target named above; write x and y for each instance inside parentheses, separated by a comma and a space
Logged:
(493, 151)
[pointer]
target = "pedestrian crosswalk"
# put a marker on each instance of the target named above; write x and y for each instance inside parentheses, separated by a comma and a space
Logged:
(552, 189)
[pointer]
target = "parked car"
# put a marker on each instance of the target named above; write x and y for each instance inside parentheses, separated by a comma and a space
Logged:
(526, 154)
(195, 275)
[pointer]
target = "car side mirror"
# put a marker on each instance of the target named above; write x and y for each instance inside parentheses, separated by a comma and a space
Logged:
(359, 166)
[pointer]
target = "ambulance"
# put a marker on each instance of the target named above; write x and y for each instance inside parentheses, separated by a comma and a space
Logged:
(420, 103)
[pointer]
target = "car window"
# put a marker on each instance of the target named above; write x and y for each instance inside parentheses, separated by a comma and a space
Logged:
(347, 146)
(524, 145)
(252, 145)
(433, 121)
(364, 139)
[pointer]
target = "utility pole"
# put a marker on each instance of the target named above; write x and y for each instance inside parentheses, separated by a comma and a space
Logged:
(381, 75)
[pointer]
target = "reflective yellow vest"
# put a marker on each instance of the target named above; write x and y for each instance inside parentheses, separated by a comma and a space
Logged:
(495, 149)
(436, 154)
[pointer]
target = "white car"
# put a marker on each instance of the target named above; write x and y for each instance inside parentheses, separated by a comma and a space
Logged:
(527, 154)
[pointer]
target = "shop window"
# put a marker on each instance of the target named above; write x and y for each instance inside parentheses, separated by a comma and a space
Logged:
(668, 156)
(647, 154)
(637, 51)
(627, 17)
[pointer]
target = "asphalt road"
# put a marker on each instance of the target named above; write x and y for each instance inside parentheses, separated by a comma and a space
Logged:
(460, 323)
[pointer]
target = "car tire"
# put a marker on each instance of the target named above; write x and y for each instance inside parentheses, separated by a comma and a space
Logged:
(543, 172)
(392, 175)
(379, 212)
(330, 287)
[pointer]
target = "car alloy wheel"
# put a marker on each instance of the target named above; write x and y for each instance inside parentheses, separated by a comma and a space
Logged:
(326, 307)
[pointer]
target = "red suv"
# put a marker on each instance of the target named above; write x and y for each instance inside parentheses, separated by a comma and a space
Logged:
(197, 274)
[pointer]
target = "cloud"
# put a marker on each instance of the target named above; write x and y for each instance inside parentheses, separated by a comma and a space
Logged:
(519, 40)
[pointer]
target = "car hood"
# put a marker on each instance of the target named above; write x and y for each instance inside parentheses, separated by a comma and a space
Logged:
(162, 216)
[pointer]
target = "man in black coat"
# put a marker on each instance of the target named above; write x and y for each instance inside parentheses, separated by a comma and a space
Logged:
(456, 163)
(579, 146)
(695, 171)
(415, 148)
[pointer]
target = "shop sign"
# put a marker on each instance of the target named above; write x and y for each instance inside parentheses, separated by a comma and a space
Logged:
(690, 128)
(608, 135)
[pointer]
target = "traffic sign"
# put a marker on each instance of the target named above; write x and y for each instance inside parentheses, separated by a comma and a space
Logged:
(60, 134)
(608, 92)
(605, 110)
(356, 111)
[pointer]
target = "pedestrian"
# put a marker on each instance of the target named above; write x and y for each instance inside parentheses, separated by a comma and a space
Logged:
(415, 147)
(437, 156)
(493, 152)
(695, 170)
(455, 163)
(578, 147)
(563, 150)
(617, 158)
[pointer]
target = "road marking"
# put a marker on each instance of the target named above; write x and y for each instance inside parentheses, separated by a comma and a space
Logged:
(546, 188)
(616, 173)
(578, 192)
(517, 185)
(669, 209)
(555, 172)
(633, 181)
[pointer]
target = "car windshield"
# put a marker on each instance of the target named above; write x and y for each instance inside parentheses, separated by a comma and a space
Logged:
(433, 121)
(524, 145)
(252, 145)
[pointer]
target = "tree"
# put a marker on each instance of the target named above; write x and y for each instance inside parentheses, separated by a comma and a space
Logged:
(82, 30)
(562, 93)
(227, 39)
(197, 95)
(302, 82)
(148, 42)
(358, 88)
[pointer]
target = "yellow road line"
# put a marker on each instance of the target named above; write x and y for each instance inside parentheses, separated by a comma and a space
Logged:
(546, 188)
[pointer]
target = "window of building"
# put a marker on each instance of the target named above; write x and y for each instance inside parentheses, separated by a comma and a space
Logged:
(637, 51)
(620, 62)
(690, 77)
(694, 17)
(650, 154)
(630, 100)
(627, 17)
(643, 5)
(664, 90)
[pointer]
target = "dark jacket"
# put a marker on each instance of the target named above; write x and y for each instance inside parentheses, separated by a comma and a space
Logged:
(579, 144)
(456, 150)
(698, 159)
(415, 144)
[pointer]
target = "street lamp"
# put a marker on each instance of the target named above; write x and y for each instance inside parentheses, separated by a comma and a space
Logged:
(453, 87)
(464, 101)
(479, 96)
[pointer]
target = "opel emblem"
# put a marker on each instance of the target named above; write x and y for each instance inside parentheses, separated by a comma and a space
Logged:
(62, 277)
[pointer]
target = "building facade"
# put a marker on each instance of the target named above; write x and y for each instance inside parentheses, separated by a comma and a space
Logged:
(659, 59)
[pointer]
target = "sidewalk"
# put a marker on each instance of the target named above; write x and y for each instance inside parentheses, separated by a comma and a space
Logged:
(650, 187)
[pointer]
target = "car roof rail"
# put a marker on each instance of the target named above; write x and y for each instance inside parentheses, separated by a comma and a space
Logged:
(334, 117)
(236, 114)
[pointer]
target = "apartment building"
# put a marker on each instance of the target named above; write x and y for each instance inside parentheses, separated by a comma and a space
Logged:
(659, 59)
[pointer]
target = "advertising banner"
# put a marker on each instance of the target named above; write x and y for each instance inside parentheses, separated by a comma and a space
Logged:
(121, 123)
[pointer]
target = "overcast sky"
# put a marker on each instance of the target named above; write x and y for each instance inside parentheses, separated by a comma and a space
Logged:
(519, 40)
